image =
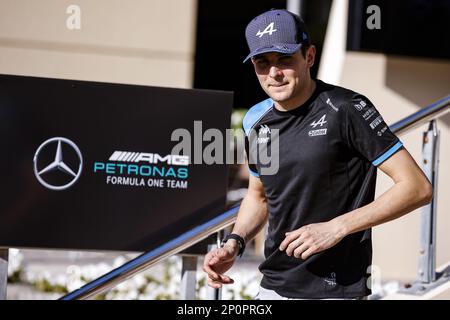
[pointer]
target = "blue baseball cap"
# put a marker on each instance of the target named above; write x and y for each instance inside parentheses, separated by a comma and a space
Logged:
(276, 31)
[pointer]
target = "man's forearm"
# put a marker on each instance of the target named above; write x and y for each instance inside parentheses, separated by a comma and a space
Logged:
(402, 198)
(251, 217)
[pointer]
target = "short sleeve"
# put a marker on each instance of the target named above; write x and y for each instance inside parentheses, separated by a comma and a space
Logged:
(367, 133)
(251, 118)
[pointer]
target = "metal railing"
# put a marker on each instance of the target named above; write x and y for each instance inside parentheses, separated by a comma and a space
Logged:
(150, 258)
(424, 115)
(227, 218)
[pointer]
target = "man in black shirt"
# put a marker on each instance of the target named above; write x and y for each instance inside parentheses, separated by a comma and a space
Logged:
(317, 193)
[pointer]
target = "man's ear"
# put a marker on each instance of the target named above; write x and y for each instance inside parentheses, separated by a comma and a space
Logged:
(310, 55)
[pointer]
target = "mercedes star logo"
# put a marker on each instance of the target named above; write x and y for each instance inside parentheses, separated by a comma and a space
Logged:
(58, 164)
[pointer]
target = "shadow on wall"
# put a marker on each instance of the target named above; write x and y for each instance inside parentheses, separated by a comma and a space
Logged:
(420, 81)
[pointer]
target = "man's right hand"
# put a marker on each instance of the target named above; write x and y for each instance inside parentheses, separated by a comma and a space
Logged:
(219, 261)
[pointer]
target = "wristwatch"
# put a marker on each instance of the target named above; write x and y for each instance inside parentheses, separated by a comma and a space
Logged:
(238, 238)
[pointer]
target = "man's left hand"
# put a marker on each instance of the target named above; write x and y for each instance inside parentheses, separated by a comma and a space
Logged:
(311, 239)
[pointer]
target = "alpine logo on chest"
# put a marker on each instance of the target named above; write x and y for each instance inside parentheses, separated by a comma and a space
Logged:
(318, 123)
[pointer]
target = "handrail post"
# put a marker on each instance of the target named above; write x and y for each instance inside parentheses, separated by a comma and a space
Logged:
(188, 277)
(211, 293)
(427, 257)
(3, 272)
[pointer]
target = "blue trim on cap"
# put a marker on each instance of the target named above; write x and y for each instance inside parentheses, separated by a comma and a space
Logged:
(255, 114)
(253, 173)
(387, 154)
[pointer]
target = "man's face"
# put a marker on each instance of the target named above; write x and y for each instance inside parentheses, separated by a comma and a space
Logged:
(282, 76)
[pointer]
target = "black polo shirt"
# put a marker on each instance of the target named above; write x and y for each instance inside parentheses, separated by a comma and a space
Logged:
(326, 147)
